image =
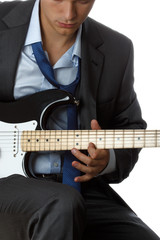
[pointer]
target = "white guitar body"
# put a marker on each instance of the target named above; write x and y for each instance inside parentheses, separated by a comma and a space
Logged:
(11, 155)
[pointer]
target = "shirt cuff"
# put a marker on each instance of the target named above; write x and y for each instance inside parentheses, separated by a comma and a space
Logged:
(111, 166)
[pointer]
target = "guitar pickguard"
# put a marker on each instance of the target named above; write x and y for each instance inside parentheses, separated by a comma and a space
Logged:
(11, 155)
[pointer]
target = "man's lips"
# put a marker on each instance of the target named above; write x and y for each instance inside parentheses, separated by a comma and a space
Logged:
(66, 25)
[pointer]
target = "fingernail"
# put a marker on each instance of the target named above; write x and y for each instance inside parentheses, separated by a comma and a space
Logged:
(73, 151)
(76, 179)
(75, 164)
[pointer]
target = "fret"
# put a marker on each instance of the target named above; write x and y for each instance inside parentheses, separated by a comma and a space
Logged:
(131, 142)
(118, 139)
(100, 143)
(78, 139)
(134, 139)
(139, 140)
(123, 138)
(152, 139)
(145, 138)
(85, 139)
(41, 140)
(70, 139)
(36, 139)
(109, 139)
(58, 142)
(27, 140)
(128, 141)
(32, 141)
(158, 138)
(47, 140)
(64, 140)
(92, 136)
(24, 141)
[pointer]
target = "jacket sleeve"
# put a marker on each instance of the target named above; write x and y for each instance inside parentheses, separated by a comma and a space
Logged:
(127, 115)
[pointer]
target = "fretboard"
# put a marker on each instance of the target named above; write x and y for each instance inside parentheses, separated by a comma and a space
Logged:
(55, 140)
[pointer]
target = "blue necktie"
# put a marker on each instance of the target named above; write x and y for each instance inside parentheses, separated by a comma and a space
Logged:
(69, 172)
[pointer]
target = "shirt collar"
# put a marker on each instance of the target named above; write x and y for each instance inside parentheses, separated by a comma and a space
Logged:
(34, 32)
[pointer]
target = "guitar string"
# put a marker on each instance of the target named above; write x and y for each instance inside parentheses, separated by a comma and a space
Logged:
(150, 137)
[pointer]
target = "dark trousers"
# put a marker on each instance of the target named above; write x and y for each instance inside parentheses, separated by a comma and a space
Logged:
(45, 210)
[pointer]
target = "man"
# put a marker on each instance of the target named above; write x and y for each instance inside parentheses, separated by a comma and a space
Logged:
(41, 207)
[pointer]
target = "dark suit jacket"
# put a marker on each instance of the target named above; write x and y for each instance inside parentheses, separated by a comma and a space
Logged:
(106, 87)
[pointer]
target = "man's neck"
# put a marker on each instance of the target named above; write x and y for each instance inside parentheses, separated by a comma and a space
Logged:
(56, 47)
(54, 42)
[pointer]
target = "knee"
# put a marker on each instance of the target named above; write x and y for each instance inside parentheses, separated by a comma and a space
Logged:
(60, 199)
(64, 210)
(71, 201)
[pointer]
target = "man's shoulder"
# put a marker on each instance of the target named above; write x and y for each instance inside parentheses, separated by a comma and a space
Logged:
(15, 11)
(6, 6)
(108, 35)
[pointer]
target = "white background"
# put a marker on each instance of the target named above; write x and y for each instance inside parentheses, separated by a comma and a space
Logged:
(140, 21)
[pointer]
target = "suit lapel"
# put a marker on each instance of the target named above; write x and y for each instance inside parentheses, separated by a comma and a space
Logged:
(91, 67)
(11, 43)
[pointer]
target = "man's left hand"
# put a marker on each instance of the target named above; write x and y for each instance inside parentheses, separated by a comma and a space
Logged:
(92, 164)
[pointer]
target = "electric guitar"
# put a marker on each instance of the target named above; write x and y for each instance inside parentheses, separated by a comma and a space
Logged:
(23, 130)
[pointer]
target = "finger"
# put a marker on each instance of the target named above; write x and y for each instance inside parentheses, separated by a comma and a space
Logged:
(92, 150)
(96, 153)
(85, 168)
(95, 125)
(84, 178)
(87, 160)
(80, 156)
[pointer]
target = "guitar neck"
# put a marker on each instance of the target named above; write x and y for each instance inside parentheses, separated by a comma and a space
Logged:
(56, 140)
